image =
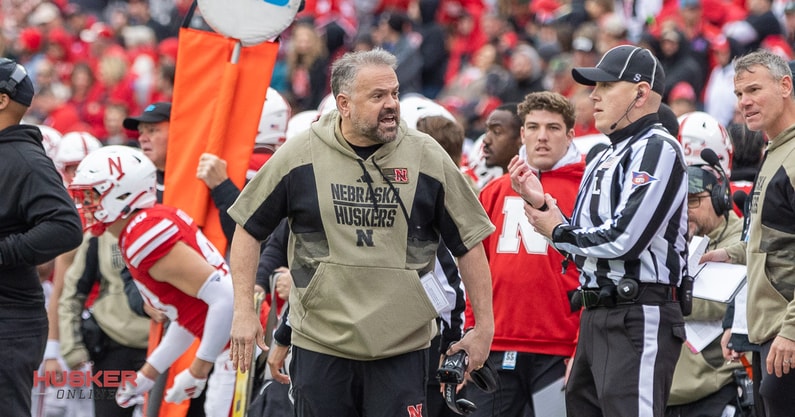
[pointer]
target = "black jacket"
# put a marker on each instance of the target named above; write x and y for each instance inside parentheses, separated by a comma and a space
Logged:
(38, 221)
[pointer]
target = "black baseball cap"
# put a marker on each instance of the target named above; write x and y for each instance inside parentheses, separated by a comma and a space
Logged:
(153, 113)
(624, 63)
(700, 180)
(15, 82)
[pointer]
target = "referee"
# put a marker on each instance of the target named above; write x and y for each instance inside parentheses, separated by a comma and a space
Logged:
(627, 236)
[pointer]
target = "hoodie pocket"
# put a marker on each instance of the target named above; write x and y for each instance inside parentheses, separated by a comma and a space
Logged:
(364, 312)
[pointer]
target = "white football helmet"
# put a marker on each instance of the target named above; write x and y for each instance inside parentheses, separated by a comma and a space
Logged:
(50, 139)
(327, 105)
(414, 107)
(73, 147)
(699, 130)
(111, 183)
(301, 122)
(272, 130)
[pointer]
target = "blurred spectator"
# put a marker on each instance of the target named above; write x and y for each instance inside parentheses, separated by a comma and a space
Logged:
(497, 30)
(583, 46)
(87, 96)
(307, 68)
(682, 98)
(678, 62)
(601, 11)
(334, 20)
(44, 75)
(527, 74)
(719, 98)
(560, 79)
(474, 92)
(583, 114)
(46, 16)
(115, 133)
(789, 23)
(699, 33)
(612, 33)
(463, 42)
(29, 44)
(167, 51)
(363, 42)
(433, 48)
(53, 111)
(58, 49)
(139, 14)
(164, 83)
(395, 35)
(759, 24)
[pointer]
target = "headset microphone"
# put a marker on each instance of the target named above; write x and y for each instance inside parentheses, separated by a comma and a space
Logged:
(721, 201)
(638, 96)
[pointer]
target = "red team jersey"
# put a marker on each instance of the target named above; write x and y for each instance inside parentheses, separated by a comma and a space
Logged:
(531, 304)
(149, 236)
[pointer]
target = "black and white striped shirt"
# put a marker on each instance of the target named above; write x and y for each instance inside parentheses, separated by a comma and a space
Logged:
(630, 218)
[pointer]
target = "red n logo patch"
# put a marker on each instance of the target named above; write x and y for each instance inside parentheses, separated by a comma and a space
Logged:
(415, 410)
(401, 175)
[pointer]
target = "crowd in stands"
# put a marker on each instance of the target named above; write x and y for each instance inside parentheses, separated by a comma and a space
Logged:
(95, 62)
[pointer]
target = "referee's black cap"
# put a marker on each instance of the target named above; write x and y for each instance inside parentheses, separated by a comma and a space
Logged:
(624, 63)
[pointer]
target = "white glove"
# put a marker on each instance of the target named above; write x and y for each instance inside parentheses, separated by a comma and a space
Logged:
(185, 386)
(130, 394)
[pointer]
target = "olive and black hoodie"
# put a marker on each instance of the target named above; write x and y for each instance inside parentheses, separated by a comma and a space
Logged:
(362, 232)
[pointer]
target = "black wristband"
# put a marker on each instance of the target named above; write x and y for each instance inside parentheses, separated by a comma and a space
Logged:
(545, 207)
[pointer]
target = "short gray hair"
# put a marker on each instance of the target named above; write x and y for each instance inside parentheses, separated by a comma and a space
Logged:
(345, 69)
(777, 66)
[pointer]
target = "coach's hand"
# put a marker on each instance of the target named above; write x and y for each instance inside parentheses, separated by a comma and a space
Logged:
(246, 330)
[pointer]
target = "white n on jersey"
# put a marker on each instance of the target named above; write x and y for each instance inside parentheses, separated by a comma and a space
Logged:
(514, 225)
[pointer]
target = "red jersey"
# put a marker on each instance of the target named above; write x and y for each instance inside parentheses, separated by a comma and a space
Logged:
(532, 313)
(149, 236)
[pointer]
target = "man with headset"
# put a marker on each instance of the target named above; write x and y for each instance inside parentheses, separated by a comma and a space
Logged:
(703, 382)
(627, 235)
(38, 221)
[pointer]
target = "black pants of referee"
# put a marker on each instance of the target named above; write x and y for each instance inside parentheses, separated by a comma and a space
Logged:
(329, 386)
(625, 360)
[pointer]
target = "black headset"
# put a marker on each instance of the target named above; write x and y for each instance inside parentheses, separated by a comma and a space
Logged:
(9, 86)
(719, 196)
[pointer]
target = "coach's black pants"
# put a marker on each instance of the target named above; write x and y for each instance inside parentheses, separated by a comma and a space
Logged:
(22, 352)
(329, 386)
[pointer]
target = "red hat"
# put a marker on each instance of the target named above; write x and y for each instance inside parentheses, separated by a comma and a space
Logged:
(61, 37)
(682, 91)
(720, 43)
(168, 47)
(31, 38)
